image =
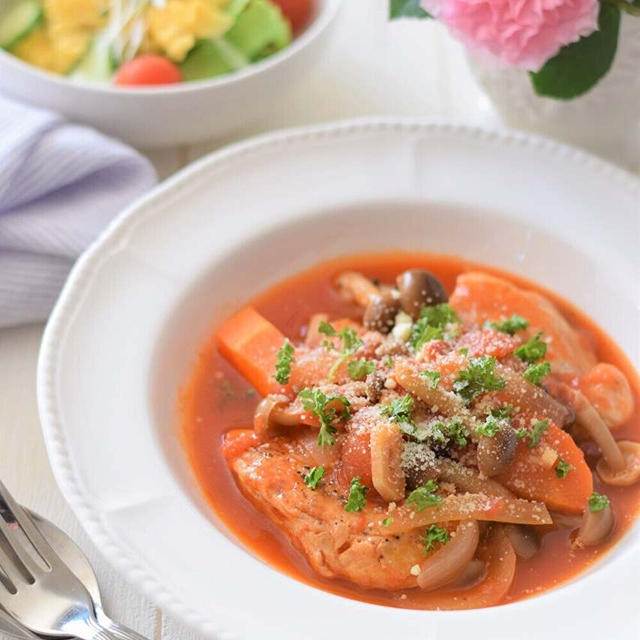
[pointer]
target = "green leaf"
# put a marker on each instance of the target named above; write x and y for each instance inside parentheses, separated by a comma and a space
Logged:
(406, 9)
(533, 350)
(400, 409)
(425, 496)
(357, 495)
(597, 502)
(435, 534)
(360, 369)
(578, 67)
(312, 479)
(285, 360)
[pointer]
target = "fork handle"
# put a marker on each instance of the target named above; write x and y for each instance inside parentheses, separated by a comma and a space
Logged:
(91, 629)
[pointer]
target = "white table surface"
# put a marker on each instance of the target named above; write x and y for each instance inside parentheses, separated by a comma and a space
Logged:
(372, 67)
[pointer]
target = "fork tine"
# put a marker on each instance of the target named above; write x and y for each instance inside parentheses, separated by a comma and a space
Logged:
(28, 526)
(10, 569)
(16, 545)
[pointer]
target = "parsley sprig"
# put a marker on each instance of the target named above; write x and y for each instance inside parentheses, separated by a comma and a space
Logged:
(533, 350)
(360, 369)
(490, 427)
(538, 428)
(562, 468)
(597, 502)
(433, 324)
(350, 343)
(535, 373)
(285, 360)
(510, 325)
(425, 496)
(435, 534)
(399, 409)
(432, 377)
(323, 406)
(313, 478)
(478, 378)
(357, 495)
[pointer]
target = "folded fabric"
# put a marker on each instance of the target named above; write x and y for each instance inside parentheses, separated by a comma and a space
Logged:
(60, 185)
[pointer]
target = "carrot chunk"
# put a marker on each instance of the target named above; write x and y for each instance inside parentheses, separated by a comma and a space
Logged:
(251, 343)
(534, 474)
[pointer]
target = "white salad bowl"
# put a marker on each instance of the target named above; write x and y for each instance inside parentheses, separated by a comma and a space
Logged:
(150, 117)
(144, 298)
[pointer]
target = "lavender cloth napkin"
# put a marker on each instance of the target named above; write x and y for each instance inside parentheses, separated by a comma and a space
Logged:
(60, 185)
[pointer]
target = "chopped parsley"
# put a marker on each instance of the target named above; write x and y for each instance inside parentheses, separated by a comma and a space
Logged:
(521, 433)
(562, 468)
(283, 365)
(536, 432)
(425, 496)
(490, 427)
(464, 351)
(532, 350)
(435, 534)
(433, 378)
(387, 521)
(357, 495)
(437, 433)
(389, 361)
(535, 373)
(432, 324)
(510, 325)
(350, 343)
(597, 502)
(317, 402)
(457, 432)
(312, 479)
(400, 409)
(360, 369)
(478, 378)
(503, 413)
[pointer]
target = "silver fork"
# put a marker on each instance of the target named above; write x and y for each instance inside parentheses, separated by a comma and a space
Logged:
(39, 591)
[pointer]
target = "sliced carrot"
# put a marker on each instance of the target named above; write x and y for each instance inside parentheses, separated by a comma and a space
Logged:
(251, 344)
(532, 473)
(237, 441)
(479, 297)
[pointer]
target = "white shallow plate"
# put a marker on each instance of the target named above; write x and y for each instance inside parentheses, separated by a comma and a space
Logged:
(142, 300)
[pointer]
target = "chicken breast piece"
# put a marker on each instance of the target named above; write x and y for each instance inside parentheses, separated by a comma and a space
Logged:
(315, 521)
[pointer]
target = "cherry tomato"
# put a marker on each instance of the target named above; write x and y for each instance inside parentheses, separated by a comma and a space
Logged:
(148, 69)
(299, 12)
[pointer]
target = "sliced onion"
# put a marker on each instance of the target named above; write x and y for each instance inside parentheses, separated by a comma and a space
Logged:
(446, 564)
(467, 506)
(524, 540)
(387, 475)
(496, 553)
(596, 527)
(472, 574)
(467, 479)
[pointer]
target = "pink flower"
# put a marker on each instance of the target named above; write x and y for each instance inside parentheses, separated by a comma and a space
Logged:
(520, 33)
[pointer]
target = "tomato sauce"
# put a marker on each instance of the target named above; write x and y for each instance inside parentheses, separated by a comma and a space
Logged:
(217, 399)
